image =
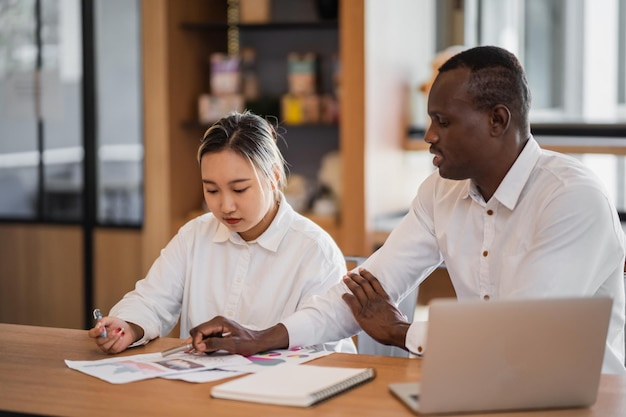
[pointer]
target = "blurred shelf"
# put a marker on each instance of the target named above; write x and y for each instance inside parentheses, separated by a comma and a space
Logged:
(415, 144)
(190, 124)
(565, 138)
(591, 130)
(313, 25)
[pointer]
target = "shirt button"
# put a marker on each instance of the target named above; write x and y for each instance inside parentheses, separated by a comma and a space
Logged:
(486, 297)
(419, 349)
(485, 253)
(229, 313)
(490, 212)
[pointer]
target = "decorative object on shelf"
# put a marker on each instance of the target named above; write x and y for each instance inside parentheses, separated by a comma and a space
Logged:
(225, 74)
(300, 109)
(302, 73)
(301, 104)
(225, 89)
(291, 109)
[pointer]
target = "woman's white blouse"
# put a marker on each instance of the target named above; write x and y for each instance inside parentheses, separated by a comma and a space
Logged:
(206, 270)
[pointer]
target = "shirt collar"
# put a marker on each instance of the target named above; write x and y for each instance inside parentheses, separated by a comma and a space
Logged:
(510, 189)
(271, 238)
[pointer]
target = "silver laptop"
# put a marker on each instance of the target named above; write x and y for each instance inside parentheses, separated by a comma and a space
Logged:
(510, 355)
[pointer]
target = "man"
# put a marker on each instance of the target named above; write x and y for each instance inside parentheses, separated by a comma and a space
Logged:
(509, 219)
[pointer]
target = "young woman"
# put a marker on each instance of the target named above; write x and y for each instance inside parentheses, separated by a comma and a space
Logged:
(252, 259)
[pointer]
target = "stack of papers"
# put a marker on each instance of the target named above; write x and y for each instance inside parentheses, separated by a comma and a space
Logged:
(190, 367)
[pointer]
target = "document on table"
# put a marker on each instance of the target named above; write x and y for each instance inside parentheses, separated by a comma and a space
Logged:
(123, 369)
(258, 362)
(191, 367)
(261, 361)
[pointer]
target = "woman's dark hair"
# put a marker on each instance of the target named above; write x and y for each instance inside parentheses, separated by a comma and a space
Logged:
(252, 137)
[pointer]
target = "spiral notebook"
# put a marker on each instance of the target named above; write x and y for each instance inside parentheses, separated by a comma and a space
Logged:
(293, 385)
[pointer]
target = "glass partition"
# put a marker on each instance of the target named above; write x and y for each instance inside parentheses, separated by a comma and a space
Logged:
(40, 110)
(60, 77)
(119, 135)
(45, 125)
(19, 148)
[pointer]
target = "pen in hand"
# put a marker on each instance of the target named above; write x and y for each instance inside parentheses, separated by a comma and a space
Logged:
(97, 314)
(186, 347)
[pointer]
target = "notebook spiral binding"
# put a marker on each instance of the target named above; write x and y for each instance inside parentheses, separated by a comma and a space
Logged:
(337, 389)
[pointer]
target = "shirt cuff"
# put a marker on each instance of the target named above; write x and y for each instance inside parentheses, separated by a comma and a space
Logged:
(143, 341)
(415, 341)
(147, 335)
(296, 327)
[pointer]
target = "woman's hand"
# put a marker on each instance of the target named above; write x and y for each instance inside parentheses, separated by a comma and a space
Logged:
(120, 334)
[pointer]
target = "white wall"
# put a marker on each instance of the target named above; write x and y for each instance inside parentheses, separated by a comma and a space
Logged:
(399, 48)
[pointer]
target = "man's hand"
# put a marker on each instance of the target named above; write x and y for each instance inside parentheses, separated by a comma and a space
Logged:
(221, 333)
(373, 309)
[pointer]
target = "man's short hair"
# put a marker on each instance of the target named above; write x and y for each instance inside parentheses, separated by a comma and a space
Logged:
(496, 77)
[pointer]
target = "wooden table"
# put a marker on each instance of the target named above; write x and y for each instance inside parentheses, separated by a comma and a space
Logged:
(35, 380)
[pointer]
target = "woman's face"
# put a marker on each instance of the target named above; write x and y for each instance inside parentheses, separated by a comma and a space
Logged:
(235, 194)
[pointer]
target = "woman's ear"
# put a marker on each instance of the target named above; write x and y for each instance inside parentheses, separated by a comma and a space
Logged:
(500, 119)
(276, 181)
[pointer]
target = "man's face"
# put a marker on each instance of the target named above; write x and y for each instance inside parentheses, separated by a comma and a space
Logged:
(458, 134)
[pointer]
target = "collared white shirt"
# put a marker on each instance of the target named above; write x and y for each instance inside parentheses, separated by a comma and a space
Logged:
(549, 230)
(206, 270)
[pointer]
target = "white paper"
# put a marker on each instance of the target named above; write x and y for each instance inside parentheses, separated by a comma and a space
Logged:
(261, 361)
(256, 363)
(120, 370)
(191, 367)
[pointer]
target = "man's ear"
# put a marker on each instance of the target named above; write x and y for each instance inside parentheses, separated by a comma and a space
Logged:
(500, 119)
